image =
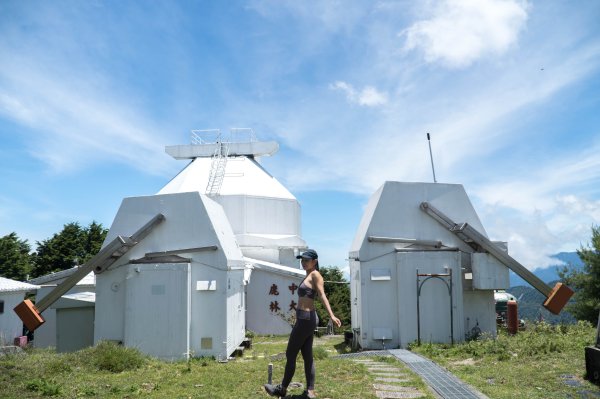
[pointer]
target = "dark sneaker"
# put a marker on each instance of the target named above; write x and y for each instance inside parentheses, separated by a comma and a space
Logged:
(275, 390)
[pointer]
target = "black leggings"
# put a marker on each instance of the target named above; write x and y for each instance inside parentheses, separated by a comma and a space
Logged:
(301, 339)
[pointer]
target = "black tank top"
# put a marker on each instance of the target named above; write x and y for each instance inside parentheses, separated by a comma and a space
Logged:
(304, 291)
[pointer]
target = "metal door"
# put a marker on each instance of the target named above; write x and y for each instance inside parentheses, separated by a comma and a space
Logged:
(156, 309)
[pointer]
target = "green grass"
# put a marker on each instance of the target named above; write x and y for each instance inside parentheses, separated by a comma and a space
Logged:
(110, 371)
(531, 364)
(535, 363)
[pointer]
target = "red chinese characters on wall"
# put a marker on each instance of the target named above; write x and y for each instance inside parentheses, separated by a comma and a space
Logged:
(274, 306)
(274, 290)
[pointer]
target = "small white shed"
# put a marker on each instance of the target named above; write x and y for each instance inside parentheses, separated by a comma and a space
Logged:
(74, 321)
(411, 278)
(12, 293)
(45, 335)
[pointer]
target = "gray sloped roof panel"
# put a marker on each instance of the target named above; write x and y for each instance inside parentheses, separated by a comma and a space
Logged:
(8, 285)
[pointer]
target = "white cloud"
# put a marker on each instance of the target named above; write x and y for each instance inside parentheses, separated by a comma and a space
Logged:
(73, 128)
(74, 111)
(530, 240)
(369, 96)
(459, 32)
(538, 211)
(534, 235)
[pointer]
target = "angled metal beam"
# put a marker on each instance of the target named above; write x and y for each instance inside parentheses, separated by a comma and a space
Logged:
(99, 263)
(105, 254)
(556, 297)
(503, 257)
(468, 234)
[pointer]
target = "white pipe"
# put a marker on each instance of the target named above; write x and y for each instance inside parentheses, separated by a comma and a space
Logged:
(431, 156)
(189, 311)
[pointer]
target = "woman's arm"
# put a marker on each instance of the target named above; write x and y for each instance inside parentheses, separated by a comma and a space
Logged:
(318, 283)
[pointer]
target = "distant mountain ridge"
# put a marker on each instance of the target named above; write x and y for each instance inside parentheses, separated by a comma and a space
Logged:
(550, 273)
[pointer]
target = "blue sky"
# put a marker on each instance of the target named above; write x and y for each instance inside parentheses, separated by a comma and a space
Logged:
(91, 92)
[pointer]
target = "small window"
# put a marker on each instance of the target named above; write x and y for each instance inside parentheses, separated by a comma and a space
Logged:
(1, 306)
(206, 285)
(381, 274)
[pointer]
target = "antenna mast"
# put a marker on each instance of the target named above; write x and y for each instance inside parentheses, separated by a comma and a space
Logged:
(431, 157)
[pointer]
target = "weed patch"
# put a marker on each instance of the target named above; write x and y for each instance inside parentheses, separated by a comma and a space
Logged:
(530, 362)
(109, 356)
(43, 386)
(320, 353)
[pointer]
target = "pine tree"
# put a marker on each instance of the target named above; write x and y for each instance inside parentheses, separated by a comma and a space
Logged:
(337, 290)
(15, 259)
(73, 246)
(586, 282)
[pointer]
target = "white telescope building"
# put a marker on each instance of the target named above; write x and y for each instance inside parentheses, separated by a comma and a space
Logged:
(413, 279)
(222, 261)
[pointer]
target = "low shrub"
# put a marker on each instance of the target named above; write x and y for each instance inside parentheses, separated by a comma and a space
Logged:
(320, 353)
(43, 386)
(115, 358)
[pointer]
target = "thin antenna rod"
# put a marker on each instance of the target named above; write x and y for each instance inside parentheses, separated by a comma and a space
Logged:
(431, 157)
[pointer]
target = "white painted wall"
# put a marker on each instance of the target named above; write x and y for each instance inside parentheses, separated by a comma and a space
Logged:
(10, 324)
(434, 299)
(209, 313)
(75, 328)
(235, 306)
(260, 297)
(264, 216)
(196, 317)
(385, 272)
(261, 215)
(156, 309)
(479, 310)
(393, 211)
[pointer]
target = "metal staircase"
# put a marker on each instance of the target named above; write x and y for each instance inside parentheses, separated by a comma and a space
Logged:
(217, 168)
(211, 143)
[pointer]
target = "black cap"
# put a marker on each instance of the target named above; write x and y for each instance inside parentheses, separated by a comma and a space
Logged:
(308, 254)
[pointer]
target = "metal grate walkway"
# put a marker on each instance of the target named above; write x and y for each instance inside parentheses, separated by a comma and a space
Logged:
(440, 380)
(444, 383)
(364, 354)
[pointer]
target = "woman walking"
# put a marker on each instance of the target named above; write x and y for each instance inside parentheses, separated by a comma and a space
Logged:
(301, 337)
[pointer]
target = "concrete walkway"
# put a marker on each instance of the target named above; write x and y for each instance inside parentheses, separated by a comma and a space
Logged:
(442, 383)
(387, 380)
